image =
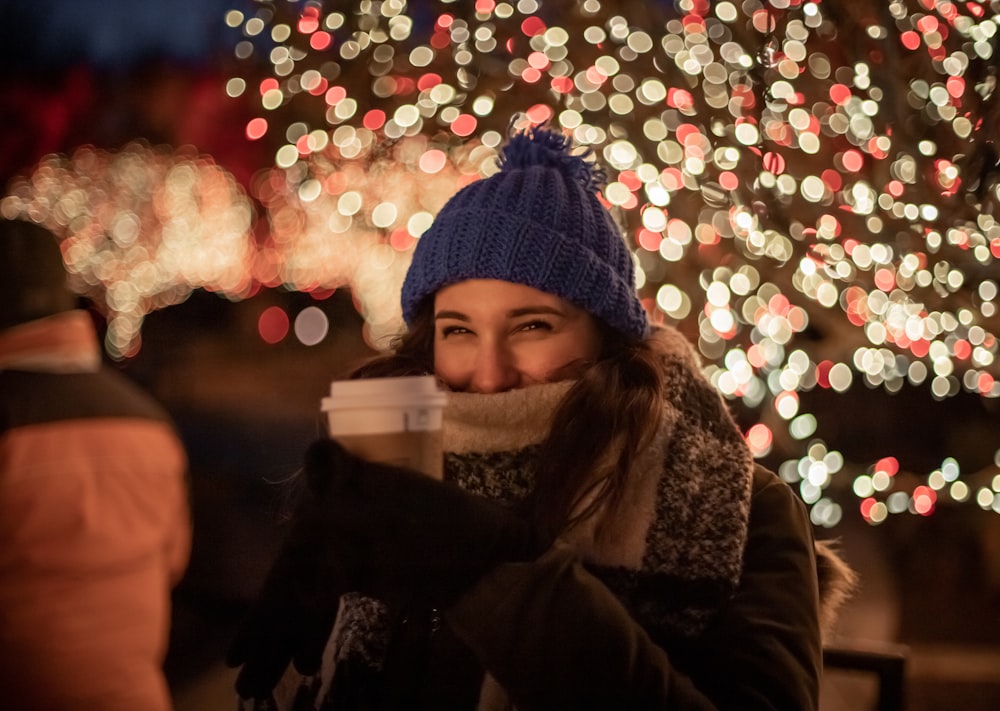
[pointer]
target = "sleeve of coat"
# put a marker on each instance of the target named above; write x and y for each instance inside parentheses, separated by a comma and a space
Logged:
(554, 636)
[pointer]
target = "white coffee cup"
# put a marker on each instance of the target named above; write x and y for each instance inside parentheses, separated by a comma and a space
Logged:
(390, 420)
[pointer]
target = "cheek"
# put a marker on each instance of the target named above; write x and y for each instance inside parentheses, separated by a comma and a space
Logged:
(554, 361)
(448, 366)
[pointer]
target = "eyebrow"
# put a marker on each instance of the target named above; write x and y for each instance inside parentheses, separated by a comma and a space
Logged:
(513, 313)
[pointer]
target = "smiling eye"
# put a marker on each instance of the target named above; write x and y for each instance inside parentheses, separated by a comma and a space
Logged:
(537, 325)
(453, 331)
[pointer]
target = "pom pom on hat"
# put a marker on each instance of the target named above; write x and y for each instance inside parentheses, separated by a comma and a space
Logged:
(546, 147)
(537, 222)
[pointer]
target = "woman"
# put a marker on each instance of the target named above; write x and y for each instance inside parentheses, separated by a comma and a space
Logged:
(603, 538)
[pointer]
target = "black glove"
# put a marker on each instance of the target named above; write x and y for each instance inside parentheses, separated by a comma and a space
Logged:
(419, 539)
(293, 614)
(385, 531)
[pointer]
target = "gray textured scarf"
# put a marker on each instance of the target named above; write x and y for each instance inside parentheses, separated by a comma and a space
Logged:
(671, 550)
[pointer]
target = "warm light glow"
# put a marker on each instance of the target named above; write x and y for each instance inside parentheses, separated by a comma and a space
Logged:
(141, 228)
(776, 210)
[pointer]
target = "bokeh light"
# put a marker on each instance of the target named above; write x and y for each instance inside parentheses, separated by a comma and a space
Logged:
(813, 203)
(311, 326)
(273, 324)
(141, 228)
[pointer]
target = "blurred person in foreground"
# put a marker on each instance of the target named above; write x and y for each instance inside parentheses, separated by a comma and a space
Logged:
(94, 512)
(602, 539)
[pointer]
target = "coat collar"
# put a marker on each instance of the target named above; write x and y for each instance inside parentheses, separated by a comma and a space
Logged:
(63, 343)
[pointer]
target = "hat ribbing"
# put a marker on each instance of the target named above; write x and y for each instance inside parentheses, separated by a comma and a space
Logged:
(536, 222)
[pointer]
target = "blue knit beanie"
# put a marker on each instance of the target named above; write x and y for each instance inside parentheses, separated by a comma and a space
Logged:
(536, 222)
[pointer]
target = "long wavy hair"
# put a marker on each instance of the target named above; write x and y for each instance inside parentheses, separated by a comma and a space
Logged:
(608, 416)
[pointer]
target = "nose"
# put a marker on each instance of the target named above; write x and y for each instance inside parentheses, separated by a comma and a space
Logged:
(495, 369)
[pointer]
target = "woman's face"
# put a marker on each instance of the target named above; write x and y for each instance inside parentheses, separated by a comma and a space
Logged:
(491, 336)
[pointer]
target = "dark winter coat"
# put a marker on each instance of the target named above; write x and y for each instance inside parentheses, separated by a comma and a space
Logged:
(700, 592)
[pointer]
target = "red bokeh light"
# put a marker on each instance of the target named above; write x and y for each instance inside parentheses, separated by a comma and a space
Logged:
(273, 324)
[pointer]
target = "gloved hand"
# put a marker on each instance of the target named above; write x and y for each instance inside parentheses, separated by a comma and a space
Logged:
(381, 530)
(294, 612)
(419, 539)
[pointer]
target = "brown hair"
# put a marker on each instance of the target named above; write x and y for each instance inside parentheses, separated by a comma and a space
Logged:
(603, 423)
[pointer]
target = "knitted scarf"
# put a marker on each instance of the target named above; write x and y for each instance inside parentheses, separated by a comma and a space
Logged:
(671, 551)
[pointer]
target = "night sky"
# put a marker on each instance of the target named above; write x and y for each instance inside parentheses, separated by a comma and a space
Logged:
(112, 34)
(103, 72)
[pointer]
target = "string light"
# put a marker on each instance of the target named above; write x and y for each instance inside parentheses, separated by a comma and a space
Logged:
(141, 228)
(756, 136)
(776, 173)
